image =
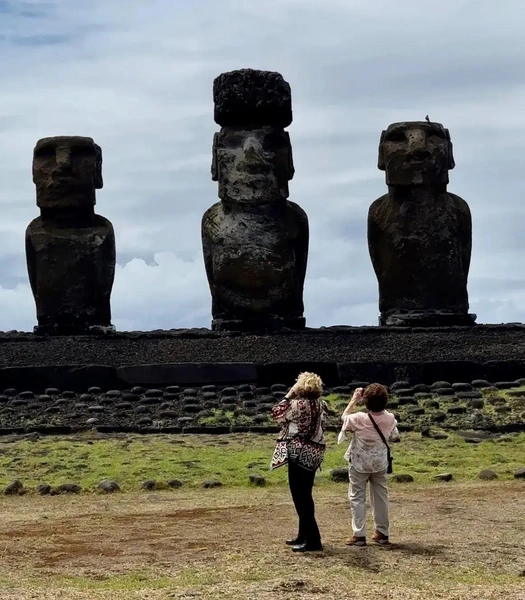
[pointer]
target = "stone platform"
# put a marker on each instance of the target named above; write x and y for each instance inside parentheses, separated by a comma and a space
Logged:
(176, 381)
(199, 357)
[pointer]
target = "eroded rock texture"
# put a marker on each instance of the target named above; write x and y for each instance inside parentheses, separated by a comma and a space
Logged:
(255, 241)
(70, 250)
(419, 234)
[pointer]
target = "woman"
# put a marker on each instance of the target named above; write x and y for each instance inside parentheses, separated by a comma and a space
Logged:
(301, 446)
(368, 457)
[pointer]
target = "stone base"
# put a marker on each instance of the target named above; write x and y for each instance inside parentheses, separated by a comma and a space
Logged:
(434, 318)
(74, 330)
(259, 325)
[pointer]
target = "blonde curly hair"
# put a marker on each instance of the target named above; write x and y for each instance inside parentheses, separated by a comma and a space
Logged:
(307, 385)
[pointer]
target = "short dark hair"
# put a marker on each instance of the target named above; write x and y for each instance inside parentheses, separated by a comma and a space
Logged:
(375, 397)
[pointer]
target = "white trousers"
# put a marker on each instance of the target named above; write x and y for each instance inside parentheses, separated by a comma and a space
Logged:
(378, 500)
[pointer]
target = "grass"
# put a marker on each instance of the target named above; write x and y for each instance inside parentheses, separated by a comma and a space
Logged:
(131, 459)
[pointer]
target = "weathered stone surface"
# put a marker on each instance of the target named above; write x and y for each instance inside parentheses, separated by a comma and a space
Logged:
(255, 241)
(68, 488)
(403, 478)
(211, 483)
(257, 480)
(420, 235)
(519, 473)
(444, 477)
(14, 488)
(108, 486)
(70, 250)
(251, 96)
(488, 475)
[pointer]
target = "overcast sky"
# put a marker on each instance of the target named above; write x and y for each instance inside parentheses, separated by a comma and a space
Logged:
(136, 75)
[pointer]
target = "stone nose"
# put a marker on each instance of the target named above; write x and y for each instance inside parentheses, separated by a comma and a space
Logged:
(63, 159)
(254, 161)
(417, 144)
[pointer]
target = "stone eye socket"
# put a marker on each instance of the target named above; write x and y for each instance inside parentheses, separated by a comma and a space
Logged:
(230, 141)
(45, 153)
(82, 152)
(437, 133)
(395, 136)
(275, 140)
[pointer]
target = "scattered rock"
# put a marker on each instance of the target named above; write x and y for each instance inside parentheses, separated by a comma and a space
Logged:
(339, 474)
(68, 488)
(506, 385)
(92, 421)
(443, 477)
(211, 483)
(520, 473)
(153, 393)
(149, 484)
(477, 403)
(488, 475)
(399, 385)
(439, 417)
(257, 480)
(462, 387)
(280, 387)
(108, 486)
(440, 384)
(481, 383)
(440, 436)
(445, 391)
(175, 483)
(14, 488)
(415, 410)
(43, 489)
(403, 478)
(457, 410)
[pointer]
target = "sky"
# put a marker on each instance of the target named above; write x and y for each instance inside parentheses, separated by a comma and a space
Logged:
(136, 75)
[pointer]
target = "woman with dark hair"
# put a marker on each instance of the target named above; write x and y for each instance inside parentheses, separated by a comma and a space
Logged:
(301, 445)
(369, 460)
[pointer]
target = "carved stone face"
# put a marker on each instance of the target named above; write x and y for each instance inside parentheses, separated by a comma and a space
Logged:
(65, 170)
(416, 154)
(252, 166)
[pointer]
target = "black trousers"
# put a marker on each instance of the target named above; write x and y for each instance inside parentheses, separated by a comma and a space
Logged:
(301, 483)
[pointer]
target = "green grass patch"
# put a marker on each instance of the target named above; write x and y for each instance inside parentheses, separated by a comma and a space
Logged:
(230, 458)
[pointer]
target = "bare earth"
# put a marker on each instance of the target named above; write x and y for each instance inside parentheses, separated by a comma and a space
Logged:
(451, 541)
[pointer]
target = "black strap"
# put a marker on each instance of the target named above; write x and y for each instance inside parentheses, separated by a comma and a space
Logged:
(380, 434)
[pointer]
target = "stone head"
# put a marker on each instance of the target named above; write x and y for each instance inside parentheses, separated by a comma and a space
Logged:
(252, 155)
(416, 153)
(66, 171)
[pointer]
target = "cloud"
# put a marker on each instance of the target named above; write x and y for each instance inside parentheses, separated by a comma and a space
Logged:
(137, 78)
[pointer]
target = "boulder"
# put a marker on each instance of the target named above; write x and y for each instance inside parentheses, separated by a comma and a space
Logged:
(402, 478)
(14, 488)
(108, 486)
(257, 480)
(487, 475)
(443, 477)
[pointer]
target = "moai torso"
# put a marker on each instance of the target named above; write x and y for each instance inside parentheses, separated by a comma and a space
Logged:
(70, 250)
(254, 260)
(420, 235)
(255, 241)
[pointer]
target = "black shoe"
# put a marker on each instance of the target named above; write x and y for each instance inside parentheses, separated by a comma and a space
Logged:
(308, 547)
(298, 541)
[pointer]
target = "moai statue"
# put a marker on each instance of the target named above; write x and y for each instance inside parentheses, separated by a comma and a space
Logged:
(420, 235)
(70, 250)
(255, 241)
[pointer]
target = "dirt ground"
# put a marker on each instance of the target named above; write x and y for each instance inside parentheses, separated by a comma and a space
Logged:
(452, 541)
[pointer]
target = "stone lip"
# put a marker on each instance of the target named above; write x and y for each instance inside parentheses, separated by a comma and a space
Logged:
(252, 97)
